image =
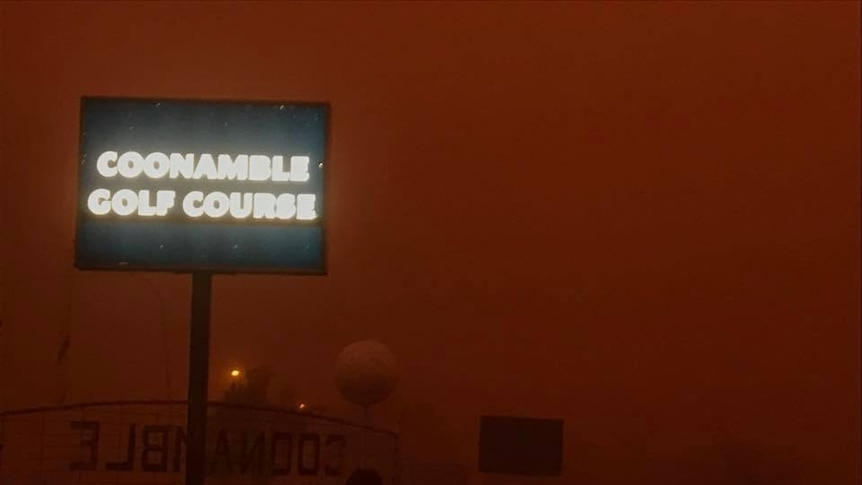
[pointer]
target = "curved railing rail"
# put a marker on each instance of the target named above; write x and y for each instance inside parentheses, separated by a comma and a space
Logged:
(211, 404)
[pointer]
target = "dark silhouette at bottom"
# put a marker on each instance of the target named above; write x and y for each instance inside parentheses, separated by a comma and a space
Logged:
(364, 477)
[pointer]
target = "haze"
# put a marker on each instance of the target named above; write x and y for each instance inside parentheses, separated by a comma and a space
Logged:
(642, 218)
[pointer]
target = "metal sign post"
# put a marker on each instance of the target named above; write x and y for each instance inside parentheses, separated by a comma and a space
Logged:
(199, 350)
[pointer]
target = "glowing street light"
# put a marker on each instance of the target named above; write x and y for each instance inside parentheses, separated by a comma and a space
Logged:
(235, 373)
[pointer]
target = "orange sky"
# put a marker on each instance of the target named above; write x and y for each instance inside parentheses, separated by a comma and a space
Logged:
(642, 218)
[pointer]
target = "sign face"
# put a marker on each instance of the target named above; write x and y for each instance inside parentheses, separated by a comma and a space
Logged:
(201, 186)
(145, 442)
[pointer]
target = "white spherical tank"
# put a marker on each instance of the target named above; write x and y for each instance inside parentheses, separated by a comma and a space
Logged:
(366, 372)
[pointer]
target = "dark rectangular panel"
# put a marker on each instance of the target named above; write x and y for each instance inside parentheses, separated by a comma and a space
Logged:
(521, 446)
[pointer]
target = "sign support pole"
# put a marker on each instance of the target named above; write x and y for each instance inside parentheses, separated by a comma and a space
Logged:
(199, 350)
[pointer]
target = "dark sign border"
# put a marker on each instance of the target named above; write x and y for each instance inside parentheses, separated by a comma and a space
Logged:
(182, 269)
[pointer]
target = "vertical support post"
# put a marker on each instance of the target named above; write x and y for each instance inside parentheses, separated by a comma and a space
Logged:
(199, 350)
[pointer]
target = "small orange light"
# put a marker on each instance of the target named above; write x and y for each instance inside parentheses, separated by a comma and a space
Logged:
(234, 373)
(302, 405)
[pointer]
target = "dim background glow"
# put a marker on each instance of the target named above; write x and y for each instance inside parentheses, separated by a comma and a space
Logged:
(640, 217)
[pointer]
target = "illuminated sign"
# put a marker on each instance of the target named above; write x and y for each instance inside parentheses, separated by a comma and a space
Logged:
(201, 185)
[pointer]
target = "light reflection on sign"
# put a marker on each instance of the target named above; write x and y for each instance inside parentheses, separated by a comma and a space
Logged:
(238, 205)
